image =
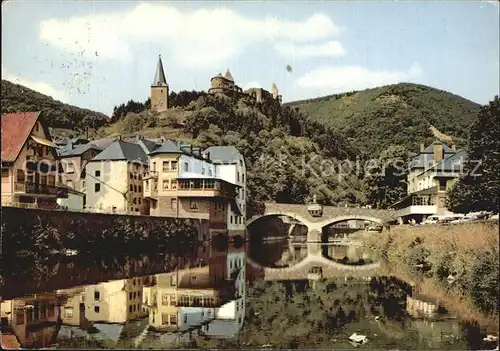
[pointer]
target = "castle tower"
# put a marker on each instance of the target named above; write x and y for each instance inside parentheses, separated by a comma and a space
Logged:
(159, 89)
(274, 90)
(229, 76)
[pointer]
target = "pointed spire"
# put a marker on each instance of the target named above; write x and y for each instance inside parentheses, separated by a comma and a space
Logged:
(159, 79)
(274, 88)
(229, 76)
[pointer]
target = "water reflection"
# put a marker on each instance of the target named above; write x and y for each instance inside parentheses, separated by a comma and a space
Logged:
(205, 298)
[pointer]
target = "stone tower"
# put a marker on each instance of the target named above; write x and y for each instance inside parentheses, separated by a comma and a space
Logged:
(274, 91)
(159, 89)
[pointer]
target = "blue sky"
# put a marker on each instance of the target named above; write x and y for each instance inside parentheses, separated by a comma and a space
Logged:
(102, 53)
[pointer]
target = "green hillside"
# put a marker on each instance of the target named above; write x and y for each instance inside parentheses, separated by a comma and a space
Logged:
(398, 114)
(63, 119)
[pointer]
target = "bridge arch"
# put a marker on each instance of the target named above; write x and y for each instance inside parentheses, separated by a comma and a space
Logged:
(293, 215)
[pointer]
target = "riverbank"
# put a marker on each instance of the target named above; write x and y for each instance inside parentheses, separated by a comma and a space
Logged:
(457, 265)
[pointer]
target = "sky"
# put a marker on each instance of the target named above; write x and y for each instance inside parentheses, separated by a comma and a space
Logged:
(98, 54)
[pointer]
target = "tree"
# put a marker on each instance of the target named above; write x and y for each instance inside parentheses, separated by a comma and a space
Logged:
(385, 180)
(478, 189)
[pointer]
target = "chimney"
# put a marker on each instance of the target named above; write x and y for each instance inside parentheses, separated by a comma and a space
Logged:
(162, 139)
(208, 155)
(70, 144)
(422, 147)
(438, 151)
(453, 148)
(190, 149)
(199, 151)
(120, 137)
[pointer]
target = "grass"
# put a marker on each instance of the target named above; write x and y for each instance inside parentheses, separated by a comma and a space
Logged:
(459, 250)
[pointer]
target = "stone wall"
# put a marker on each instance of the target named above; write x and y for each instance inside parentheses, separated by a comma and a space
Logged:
(44, 230)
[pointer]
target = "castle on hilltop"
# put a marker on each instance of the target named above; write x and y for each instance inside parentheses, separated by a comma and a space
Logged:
(219, 85)
(225, 85)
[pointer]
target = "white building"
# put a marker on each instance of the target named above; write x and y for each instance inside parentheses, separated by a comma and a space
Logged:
(114, 179)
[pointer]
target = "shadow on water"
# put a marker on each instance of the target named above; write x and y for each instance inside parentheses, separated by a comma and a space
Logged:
(204, 298)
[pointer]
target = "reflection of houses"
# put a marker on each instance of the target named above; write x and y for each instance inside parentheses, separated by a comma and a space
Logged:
(29, 167)
(201, 297)
(434, 171)
(116, 301)
(419, 305)
(73, 310)
(33, 320)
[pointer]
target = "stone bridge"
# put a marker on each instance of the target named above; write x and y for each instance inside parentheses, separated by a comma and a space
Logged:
(330, 269)
(329, 216)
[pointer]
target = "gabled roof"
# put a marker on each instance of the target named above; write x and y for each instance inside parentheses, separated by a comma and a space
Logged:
(229, 76)
(159, 79)
(168, 147)
(147, 145)
(223, 154)
(427, 156)
(122, 150)
(16, 128)
(78, 150)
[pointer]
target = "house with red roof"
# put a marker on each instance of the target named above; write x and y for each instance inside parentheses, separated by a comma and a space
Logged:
(30, 175)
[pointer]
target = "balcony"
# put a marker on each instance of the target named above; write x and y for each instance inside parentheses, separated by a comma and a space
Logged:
(37, 189)
(205, 188)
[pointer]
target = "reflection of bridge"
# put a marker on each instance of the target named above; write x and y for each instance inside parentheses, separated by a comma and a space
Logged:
(314, 258)
(330, 215)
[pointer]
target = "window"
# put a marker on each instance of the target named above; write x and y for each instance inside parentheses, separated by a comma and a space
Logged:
(164, 300)
(97, 295)
(130, 309)
(139, 200)
(154, 167)
(130, 295)
(203, 170)
(243, 178)
(52, 180)
(174, 184)
(70, 167)
(140, 188)
(135, 188)
(241, 163)
(186, 167)
(193, 205)
(68, 312)
(173, 319)
(173, 300)
(97, 187)
(96, 309)
(185, 318)
(173, 204)
(238, 176)
(165, 184)
(173, 165)
(131, 175)
(97, 173)
(134, 307)
(166, 166)
(231, 219)
(44, 179)
(131, 187)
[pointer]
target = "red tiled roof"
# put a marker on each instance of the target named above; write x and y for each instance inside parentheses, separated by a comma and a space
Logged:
(16, 128)
(9, 342)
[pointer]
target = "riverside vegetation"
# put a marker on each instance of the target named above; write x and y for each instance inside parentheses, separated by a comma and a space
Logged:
(457, 264)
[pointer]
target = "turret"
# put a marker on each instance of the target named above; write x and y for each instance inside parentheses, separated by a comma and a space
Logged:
(159, 89)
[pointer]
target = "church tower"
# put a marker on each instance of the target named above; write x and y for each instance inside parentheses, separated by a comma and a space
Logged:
(159, 89)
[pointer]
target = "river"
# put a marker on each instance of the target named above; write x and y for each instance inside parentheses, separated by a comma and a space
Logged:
(210, 297)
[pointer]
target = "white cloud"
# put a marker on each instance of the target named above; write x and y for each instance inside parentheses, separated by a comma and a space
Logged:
(253, 84)
(292, 50)
(327, 80)
(199, 38)
(41, 87)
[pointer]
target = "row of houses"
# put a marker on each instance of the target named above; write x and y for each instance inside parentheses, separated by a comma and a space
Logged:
(138, 177)
(207, 296)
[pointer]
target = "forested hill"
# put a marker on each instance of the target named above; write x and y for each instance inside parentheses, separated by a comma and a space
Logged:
(399, 114)
(18, 98)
